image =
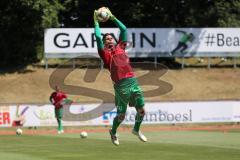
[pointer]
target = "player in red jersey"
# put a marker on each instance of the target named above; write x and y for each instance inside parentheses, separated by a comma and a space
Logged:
(127, 89)
(57, 98)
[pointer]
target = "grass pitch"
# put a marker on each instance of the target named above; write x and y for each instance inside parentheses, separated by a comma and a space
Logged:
(163, 145)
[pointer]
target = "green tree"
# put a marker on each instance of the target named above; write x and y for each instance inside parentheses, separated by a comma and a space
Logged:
(156, 13)
(22, 26)
(228, 13)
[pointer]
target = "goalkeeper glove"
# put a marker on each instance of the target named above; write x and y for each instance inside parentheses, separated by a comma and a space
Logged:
(111, 16)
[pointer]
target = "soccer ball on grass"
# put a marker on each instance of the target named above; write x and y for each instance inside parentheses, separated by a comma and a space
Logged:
(83, 134)
(19, 131)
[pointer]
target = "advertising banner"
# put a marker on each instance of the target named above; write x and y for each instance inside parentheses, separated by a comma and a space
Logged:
(146, 42)
(6, 116)
(236, 112)
(156, 113)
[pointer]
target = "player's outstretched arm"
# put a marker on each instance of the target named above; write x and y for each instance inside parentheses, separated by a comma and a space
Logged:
(120, 25)
(123, 30)
(51, 98)
(183, 32)
(97, 32)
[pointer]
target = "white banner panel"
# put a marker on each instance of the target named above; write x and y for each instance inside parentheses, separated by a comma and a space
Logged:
(156, 113)
(180, 112)
(6, 116)
(143, 41)
(236, 112)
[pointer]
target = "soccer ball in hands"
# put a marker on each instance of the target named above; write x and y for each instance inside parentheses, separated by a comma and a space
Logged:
(103, 14)
(19, 131)
(83, 134)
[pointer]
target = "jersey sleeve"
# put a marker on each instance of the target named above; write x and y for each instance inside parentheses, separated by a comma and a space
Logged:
(123, 30)
(97, 32)
(64, 95)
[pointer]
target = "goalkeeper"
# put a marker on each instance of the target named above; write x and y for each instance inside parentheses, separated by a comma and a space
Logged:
(127, 89)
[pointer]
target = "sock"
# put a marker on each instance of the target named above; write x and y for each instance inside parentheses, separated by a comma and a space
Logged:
(138, 121)
(59, 124)
(116, 123)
